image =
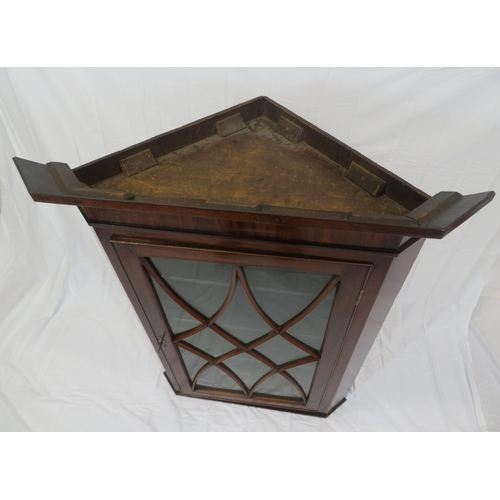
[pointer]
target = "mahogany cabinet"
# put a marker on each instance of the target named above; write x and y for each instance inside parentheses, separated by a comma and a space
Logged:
(261, 254)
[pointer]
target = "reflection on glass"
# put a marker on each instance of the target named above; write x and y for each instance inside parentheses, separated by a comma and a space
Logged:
(276, 385)
(241, 320)
(281, 293)
(210, 342)
(311, 329)
(304, 374)
(247, 368)
(178, 319)
(280, 351)
(203, 285)
(192, 361)
(214, 377)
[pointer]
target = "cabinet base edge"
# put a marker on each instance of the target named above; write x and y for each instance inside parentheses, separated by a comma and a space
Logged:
(287, 410)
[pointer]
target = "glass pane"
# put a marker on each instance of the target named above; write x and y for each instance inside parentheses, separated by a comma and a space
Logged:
(281, 293)
(210, 342)
(247, 368)
(178, 319)
(241, 320)
(192, 361)
(304, 374)
(280, 351)
(214, 377)
(203, 285)
(278, 386)
(311, 330)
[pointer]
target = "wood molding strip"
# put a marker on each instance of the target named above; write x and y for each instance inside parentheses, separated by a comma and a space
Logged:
(332, 283)
(248, 291)
(304, 347)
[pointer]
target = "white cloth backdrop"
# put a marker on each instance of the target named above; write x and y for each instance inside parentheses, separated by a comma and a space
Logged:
(74, 356)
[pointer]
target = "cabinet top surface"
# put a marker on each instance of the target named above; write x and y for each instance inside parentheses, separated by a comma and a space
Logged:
(253, 166)
(255, 162)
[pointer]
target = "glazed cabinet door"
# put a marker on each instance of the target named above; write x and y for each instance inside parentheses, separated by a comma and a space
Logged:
(244, 327)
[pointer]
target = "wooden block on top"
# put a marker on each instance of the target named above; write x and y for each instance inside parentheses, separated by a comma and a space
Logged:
(365, 180)
(230, 125)
(138, 163)
(289, 130)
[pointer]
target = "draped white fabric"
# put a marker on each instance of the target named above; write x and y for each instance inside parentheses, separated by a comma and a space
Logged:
(74, 356)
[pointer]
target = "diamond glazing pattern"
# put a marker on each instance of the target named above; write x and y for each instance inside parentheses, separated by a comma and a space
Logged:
(256, 331)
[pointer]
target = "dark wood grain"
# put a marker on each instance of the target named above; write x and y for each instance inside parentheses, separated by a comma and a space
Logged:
(380, 291)
(257, 185)
(447, 210)
(105, 167)
(289, 130)
(44, 182)
(304, 347)
(230, 125)
(315, 303)
(253, 301)
(396, 188)
(342, 305)
(365, 180)
(290, 379)
(137, 163)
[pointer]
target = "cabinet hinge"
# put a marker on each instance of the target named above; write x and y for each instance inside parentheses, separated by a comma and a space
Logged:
(360, 296)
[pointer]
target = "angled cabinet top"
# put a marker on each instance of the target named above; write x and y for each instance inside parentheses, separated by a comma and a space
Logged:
(258, 162)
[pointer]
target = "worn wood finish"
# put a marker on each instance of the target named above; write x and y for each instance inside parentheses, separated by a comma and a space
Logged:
(354, 274)
(43, 187)
(109, 165)
(365, 180)
(373, 310)
(298, 317)
(276, 232)
(254, 175)
(257, 185)
(137, 163)
(253, 167)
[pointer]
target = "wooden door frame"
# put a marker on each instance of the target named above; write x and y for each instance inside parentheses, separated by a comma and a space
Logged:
(355, 274)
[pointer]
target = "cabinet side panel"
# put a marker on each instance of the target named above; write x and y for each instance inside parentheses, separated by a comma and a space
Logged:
(394, 280)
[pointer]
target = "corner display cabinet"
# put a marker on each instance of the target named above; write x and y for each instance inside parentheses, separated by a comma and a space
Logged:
(261, 254)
